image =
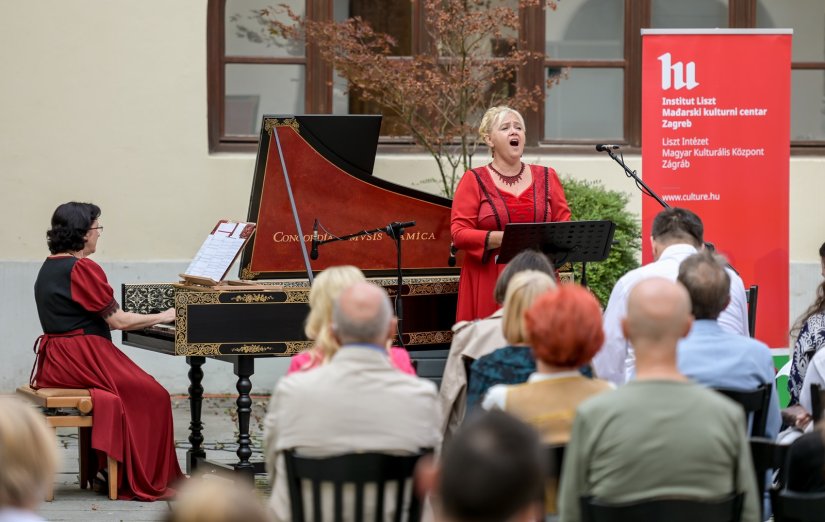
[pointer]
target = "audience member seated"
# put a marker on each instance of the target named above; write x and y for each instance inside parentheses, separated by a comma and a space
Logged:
(809, 334)
(474, 339)
(815, 374)
(712, 356)
(676, 233)
(357, 401)
(326, 287)
(660, 434)
(511, 364)
(28, 460)
(564, 329)
(213, 499)
(490, 471)
(805, 463)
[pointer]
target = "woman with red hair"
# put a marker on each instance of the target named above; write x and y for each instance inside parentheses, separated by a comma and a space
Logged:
(564, 330)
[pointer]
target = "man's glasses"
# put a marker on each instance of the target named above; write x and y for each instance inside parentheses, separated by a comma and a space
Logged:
(96, 228)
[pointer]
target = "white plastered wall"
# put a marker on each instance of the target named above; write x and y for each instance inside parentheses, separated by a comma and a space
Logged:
(105, 101)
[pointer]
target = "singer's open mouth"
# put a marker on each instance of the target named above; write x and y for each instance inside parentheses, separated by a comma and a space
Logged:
(514, 142)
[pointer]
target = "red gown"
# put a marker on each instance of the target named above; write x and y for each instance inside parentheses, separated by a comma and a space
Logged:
(132, 411)
(479, 207)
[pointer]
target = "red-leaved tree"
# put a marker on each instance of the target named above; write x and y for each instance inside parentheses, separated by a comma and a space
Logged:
(471, 60)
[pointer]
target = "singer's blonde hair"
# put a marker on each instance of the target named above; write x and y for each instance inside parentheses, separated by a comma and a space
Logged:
(325, 289)
(522, 290)
(28, 455)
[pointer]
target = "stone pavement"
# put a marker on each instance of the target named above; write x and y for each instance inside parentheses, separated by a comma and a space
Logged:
(220, 442)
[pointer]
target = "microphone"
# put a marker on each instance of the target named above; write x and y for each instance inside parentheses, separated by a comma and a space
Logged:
(602, 147)
(395, 226)
(313, 254)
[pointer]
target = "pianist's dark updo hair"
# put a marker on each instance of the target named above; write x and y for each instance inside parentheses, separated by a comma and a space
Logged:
(70, 222)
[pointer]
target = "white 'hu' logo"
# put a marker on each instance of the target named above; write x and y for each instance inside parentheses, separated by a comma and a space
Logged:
(683, 75)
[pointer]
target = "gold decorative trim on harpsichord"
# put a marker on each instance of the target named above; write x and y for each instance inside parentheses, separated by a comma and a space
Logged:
(272, 123)
(242, 321)
(148, 298)
(235, 303)
(417, 285)
(248, 274)
(419, 338)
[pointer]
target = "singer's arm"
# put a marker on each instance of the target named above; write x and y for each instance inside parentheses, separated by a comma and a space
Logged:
(559, 209)
(464, 220)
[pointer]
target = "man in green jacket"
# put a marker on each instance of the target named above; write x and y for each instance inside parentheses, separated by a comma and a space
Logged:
(661, 434)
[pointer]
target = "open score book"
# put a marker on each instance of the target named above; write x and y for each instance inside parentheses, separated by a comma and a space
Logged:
(219, 250)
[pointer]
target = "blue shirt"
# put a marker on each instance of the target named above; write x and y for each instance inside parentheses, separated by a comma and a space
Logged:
(719, 359)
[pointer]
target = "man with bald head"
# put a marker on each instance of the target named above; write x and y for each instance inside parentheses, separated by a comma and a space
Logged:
(660, 434)
(676, 233)
(357, 402)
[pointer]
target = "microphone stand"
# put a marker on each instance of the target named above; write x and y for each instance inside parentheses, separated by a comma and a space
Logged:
(647, 190)
(632, 174)
(394, 230)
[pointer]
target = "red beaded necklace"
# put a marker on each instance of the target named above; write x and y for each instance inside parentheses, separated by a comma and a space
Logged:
(508, 180)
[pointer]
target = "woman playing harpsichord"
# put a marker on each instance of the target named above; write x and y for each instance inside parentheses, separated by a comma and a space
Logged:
(487, 198)
(132, 411)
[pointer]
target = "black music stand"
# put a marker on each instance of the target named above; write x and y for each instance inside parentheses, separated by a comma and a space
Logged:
(562, 241)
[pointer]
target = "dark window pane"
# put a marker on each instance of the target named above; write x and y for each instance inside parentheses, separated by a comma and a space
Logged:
(246, 35)
(808, 105)
(688, 14)
(392, 17)
(271, 89)
(585, 105)
(585, 29)
(805, 17)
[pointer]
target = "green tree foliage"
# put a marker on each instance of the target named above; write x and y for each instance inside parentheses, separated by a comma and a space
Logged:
(591, 201)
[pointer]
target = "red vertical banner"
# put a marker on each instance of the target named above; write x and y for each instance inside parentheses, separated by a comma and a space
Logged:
(716, 140)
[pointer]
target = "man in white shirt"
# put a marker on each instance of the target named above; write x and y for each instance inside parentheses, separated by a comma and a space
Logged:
(676, 234)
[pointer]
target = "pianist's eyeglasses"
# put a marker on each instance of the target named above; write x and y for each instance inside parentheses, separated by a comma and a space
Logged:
(96, 228)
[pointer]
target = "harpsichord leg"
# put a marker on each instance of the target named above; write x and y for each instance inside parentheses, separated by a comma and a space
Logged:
(195, 402)
(244, 368)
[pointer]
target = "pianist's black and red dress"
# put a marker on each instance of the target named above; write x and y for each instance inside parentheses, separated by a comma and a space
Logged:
(132, 411)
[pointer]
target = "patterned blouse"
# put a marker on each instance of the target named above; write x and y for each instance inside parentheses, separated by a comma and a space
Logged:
(811, 338)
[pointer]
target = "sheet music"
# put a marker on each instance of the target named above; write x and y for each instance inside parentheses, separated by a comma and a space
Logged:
(219, 250)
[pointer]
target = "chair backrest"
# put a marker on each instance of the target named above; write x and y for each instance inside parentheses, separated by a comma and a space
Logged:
(726, 509)
(816, 402)
(767, 455)
(554, 455)
(755, 403)
(555, 459)
(789, 506)
(359, 470)
(752, 296)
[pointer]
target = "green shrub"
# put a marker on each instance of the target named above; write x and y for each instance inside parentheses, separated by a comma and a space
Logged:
(591, 201)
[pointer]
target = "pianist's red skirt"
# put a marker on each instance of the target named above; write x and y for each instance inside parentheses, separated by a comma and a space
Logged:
(132, 411)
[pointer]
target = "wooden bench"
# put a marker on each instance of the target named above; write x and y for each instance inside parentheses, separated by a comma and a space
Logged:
(59, 404)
